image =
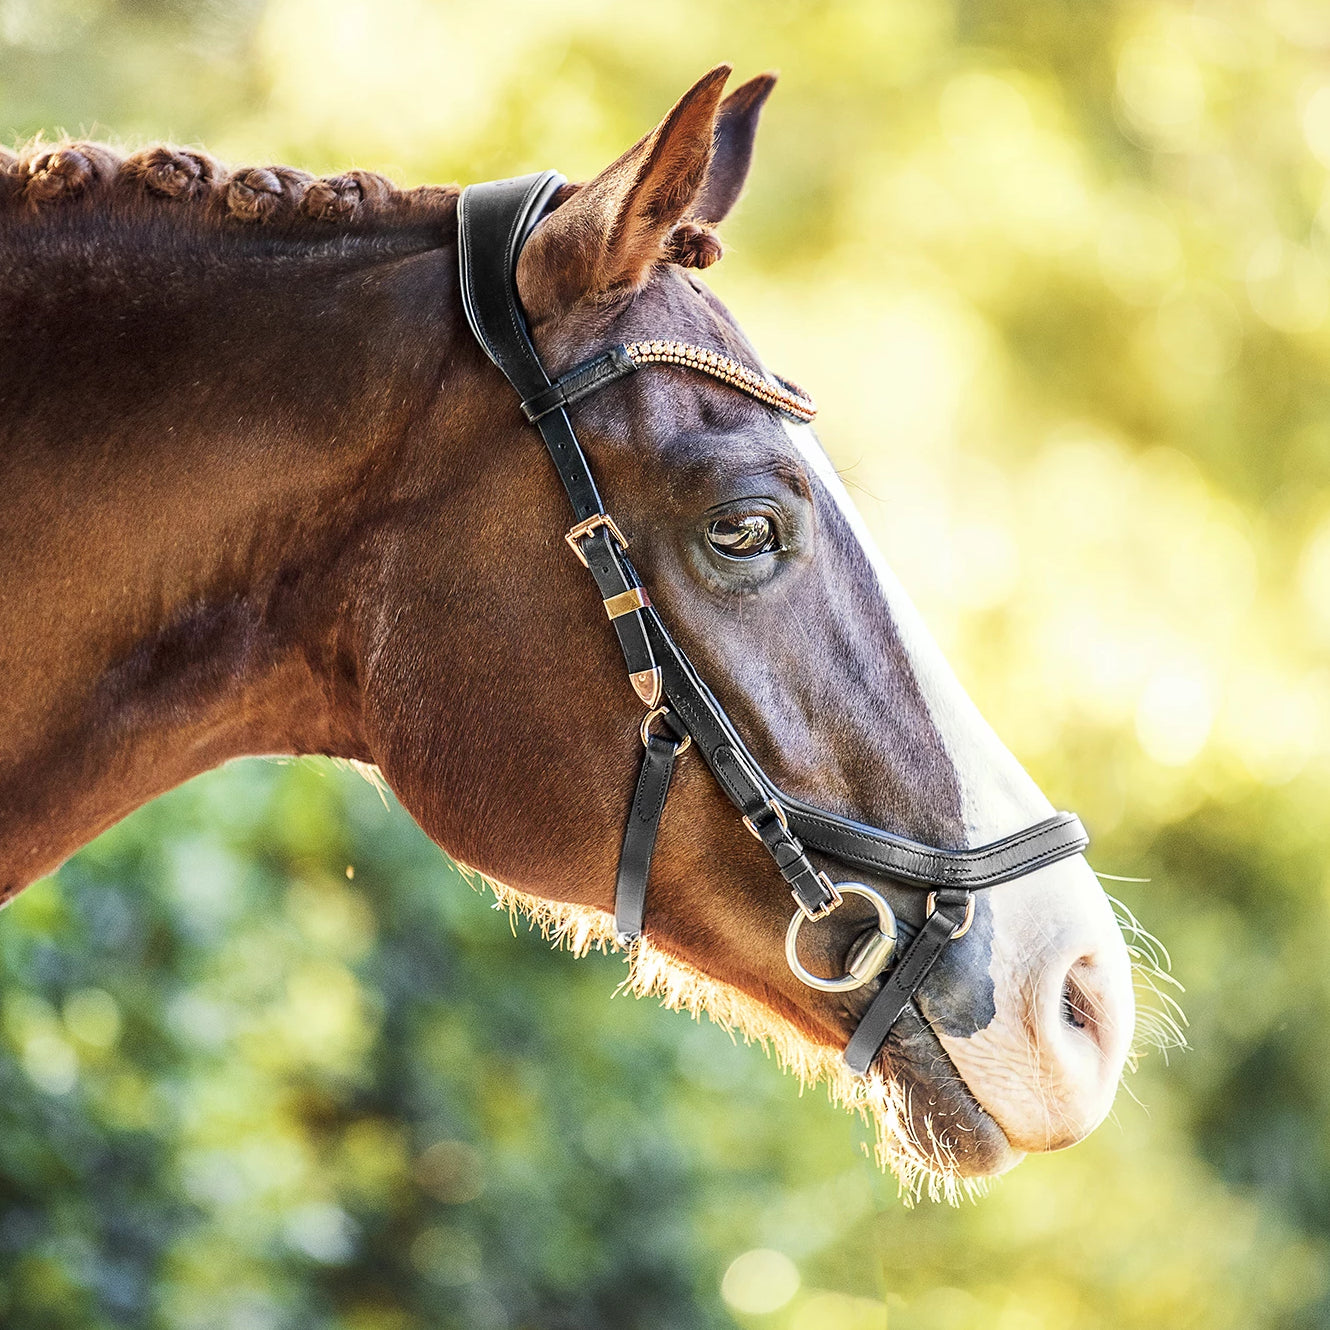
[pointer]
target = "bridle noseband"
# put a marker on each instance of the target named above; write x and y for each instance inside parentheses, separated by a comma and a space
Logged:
(494, 221)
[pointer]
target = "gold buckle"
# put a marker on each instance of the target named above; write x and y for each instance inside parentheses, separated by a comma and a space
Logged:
(780, 816)
(586, 528)
(645, 731)
(822, 910)
(930, 905)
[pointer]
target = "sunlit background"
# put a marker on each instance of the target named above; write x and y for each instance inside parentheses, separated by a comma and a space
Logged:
(1059, 275)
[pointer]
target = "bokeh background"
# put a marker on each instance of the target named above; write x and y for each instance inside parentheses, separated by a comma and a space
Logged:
(1059, 275)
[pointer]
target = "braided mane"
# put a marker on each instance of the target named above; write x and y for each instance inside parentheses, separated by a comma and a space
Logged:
(46, 177)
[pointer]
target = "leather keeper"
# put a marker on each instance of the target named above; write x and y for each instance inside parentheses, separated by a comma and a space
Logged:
(635, 598)
(579, 382)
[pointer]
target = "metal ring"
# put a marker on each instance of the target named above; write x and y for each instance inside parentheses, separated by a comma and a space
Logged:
(964, 926)
(868, 958)
(645, 731)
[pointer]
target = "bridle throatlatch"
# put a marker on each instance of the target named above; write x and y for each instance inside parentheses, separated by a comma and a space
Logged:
(493, 222)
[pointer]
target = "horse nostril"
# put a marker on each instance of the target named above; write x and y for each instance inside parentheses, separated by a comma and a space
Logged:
(1078, 1007)
(1046, 1066)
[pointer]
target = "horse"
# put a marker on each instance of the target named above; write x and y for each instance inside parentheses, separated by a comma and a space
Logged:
(269, 494)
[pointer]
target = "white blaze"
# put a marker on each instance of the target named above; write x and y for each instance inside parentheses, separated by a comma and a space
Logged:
(997, 795)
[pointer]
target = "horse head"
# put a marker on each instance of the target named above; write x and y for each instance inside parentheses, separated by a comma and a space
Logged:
(495, 701)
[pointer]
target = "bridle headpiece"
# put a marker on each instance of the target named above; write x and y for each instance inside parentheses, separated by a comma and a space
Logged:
(494, 221)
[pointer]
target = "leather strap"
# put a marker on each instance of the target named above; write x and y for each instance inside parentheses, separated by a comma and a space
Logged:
(903, 982)
(809, 888)
(506, 211)
(987, 866)
(510, 209)
(614, 575)
(639, 835)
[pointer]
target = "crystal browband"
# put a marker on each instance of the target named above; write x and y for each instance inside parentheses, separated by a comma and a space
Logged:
(782, 395)
(786, 397)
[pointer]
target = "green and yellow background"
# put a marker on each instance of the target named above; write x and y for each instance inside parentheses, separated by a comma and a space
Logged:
(1058, 272)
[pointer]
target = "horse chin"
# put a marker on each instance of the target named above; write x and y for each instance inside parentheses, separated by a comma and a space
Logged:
(931, 1131)
(947, 1125)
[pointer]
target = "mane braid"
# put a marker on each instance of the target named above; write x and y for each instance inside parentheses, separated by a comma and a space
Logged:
(163, 181)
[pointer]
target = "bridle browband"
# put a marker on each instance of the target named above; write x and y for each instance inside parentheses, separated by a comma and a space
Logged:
(493, 222)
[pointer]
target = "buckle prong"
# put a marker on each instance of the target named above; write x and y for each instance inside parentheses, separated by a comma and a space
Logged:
(575, 534)
(775, 808)
(834, 898)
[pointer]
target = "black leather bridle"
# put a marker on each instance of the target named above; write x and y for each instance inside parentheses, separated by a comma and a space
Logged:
(494, 221)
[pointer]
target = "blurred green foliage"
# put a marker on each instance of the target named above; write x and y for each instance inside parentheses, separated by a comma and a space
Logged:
(1059, 274)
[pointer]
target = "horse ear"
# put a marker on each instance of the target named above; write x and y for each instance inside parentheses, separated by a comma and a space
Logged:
(612, 231)
(736, 127)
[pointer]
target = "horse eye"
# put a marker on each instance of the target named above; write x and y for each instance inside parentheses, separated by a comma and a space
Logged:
(743, 535)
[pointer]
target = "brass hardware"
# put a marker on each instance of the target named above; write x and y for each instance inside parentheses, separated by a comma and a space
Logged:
(833, 899)
(964, 927)
(868, 958)
(647, 685)
(635, 598)
(586, 528)
(780, 816)
(645, 731)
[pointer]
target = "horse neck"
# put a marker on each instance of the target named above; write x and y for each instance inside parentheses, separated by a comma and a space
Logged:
(193, 444)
